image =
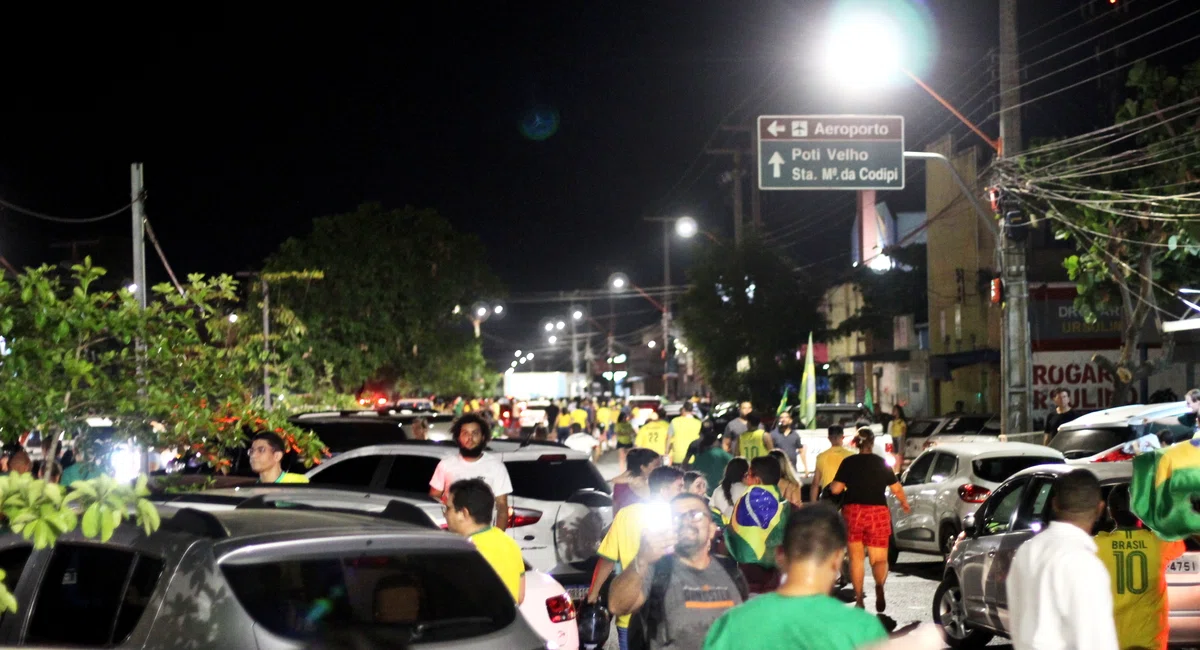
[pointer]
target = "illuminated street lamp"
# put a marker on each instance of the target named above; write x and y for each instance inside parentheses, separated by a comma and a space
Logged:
(233, 318)
(530, 355)
(651, 344)
(686, 227)
(559, 325)
(553, 339)
(517, 353)
(549, 327)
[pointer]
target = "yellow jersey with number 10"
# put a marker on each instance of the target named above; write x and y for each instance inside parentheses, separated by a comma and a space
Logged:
(1137, 561)
(751, 444)
(653, 435)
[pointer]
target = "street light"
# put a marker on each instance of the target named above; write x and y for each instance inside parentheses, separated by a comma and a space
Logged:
(559, 325)
(498, 309)
(132, 288)
(618, 282)
(686, 227)
(651, 344)
(514, 364)
(577, 315)
(553, 339)
(549, 327)
(530, 355)
(517, 353)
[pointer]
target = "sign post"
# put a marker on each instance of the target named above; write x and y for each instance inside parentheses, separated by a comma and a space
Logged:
(831, 152)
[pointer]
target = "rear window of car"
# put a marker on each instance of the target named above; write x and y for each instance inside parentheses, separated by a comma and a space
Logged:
(1082, 443)
(344, 435)
(997, 470)
(826, 417)
(987, 425)
(386, 600)
(644, 404)
(921, 428)
(547, 480)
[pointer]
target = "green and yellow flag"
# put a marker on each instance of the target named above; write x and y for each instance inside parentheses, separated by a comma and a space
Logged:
(868, 402)
(757, 526)
(808, 390)
(1164, 484)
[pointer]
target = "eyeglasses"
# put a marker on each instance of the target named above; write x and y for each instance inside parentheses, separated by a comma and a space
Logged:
(260, 449)
(689, 517)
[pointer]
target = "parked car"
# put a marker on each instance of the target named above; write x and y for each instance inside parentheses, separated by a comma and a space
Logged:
(919, 431)
(977, 428)
(532, 413)
(947, 483)
(547, 606)
(560, 505)
(971, 603)
(343, 431)
(852, 417)
(414, 405)
(1099, 431)
(261, 577)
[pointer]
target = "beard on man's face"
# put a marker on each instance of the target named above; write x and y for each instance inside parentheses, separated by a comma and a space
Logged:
(472, 452)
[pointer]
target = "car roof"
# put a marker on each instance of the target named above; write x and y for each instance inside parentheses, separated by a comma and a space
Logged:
(287, 524)
(285, 491)
(997, 449)
(1125, 415)
(1105, 472)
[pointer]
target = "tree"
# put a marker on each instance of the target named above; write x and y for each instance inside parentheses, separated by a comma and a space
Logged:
(384, 311)
(171, 376)
(1122, 195)
(744, 302)
(885, 295)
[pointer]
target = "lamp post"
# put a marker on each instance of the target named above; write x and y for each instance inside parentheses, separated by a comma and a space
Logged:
(854, 51)
(686, 227)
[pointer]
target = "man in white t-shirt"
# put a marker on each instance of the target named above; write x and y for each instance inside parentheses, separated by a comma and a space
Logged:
(472, 432)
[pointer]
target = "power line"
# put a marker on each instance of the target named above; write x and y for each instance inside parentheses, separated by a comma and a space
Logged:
(1101, 34)
(69, 220)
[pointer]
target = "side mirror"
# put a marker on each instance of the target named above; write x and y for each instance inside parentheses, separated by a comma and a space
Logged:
(968, 525)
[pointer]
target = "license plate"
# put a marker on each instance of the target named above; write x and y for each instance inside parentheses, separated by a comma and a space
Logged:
(1184, 565)
(577, 593)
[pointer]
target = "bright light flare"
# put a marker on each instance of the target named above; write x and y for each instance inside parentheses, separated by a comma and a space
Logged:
(863, 50)
(553, 339)
(651, 344)
(686, 227)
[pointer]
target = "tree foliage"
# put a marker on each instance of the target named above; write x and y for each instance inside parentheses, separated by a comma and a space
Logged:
(384, 311)
(744, 302)
(901, 290)
(1125, 197)
(71, 352)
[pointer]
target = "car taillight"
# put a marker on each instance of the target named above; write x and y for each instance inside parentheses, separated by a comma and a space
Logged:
(381, 401)
(560, 608)
(1114, 456)
(518, 517)
(973, 493)
(890, 448)
(362, 402)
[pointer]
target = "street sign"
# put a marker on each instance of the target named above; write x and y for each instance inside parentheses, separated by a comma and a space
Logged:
(831, 152)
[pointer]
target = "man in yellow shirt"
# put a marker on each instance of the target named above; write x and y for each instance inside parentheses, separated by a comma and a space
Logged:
(579, 418)
(829, 461)
(684, 431)
(754, 442)
(604, 422)
(563, 426)
(620, 546)
(266, 456)
(1137, 561)
(653, 434)
(469, 511)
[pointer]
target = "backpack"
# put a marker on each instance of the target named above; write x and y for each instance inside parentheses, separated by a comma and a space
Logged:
(644, 623)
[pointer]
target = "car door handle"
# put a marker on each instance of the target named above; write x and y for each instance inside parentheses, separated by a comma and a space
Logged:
(529, 538)
(992, 553)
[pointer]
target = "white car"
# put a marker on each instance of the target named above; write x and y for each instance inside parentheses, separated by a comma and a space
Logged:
(1100, 431)
(560, 505)
(533, 413)
(550, 610)
(947, 483)
(977, 428)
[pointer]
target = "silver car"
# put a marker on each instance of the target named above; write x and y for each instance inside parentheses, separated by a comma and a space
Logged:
(971, 603)
(260, 577)
(949, 482)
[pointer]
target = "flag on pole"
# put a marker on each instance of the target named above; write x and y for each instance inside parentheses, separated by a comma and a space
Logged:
(868, 402)
(808, 389)
(782, 401)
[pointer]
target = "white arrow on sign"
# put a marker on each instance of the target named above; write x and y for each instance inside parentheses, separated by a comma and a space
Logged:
(776, 161)
(775, 129)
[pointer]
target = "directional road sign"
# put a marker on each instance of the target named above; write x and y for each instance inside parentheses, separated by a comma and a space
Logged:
(831, 152)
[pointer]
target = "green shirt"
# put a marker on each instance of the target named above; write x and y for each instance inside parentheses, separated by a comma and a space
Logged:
(795, 622)
(711, 462)
(80, 471)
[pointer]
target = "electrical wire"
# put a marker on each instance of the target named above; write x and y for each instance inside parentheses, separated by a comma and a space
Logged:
(68, 220)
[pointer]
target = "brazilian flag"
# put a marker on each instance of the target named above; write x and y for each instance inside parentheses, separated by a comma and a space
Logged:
(1165, 481)
(757, 526)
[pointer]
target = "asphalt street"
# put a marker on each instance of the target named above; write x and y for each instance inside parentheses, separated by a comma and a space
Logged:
(910, 585)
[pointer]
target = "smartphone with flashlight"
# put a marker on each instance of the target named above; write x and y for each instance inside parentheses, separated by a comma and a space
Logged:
(660, 519)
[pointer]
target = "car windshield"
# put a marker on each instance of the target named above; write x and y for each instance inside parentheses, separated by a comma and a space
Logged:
(998, 469)
(393, 599)
(554, 480)
(984, 425)
(827, 417)
(921, 428)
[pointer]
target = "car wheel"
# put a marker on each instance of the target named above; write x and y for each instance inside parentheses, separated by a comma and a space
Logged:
(950, 612)
(893, 552)
(947, 538)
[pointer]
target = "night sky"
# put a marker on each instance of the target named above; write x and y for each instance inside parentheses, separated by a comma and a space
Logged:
(252, 121)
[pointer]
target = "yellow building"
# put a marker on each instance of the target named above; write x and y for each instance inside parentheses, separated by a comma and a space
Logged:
(964, 327)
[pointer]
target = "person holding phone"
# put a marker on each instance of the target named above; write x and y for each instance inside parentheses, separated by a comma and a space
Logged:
(675, 588)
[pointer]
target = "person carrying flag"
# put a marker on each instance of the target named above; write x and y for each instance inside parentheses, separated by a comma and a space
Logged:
(757, 526)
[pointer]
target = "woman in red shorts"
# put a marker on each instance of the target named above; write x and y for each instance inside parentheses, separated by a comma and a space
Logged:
(863, 481)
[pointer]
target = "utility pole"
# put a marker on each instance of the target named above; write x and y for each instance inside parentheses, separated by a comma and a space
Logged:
(138, 193)
(737, 180)
(1015, 364)
(266, 316)
(666, 315)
